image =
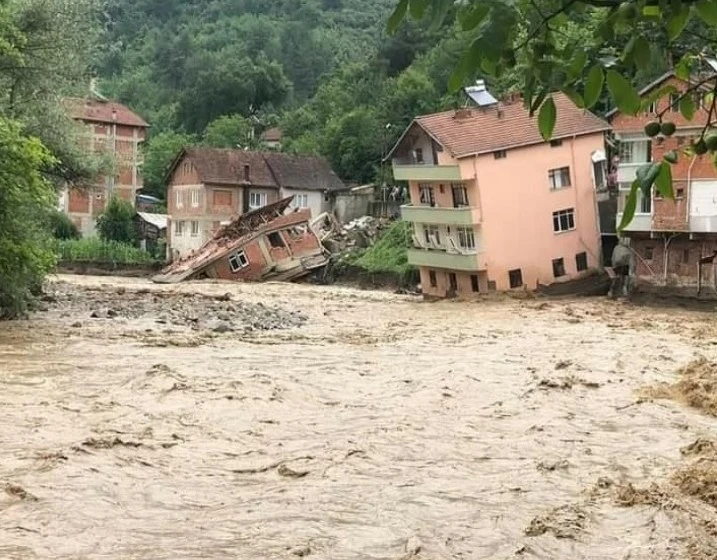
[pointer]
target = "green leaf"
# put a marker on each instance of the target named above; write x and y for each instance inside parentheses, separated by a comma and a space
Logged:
(593, 85)
(683, 69)
(628, 212)
(624, 95)
(397, 16)
(578, 63)
(417, 8)
(538, 101)
(574, 96)
(707, 10)
(663, 181)
(651, 11)
(687, 106)
(708, 99)
(646, 176)
(472, 18)
(657, 94)
(641, 52)
(677, 22)
(546, 118)
(466, 66)
(440, 9)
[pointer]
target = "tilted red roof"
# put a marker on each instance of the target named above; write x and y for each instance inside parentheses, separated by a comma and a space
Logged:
(103, 111)
(506, 125)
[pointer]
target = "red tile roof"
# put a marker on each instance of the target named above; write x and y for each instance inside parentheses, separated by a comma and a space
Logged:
(266, 169)
(226, 166)
(104, 112)
(507, 125)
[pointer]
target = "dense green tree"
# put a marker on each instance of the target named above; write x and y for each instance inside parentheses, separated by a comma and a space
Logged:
(61, 226)
(230, 131)
(353, 144)
(159, 153)
(25, 198)
(116, 223)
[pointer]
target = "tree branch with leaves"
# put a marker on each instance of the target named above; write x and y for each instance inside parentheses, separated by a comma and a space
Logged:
(626, 36)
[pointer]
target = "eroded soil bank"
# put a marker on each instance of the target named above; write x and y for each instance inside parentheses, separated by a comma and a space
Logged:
(283, 421)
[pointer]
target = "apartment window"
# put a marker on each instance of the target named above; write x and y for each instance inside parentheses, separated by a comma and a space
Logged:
(652, 108)
(559, 178)
(500, 154)
(178, 229)
(300, 201)
(680, 193)
(685, 256)
(432, 278)
(179, 198)
(427, 196)
(649, 253)
(474, 283)
(581, 262)
(238, 261)
(466, 238)
(275, 239)
(556, 143)
(635, 152)
(432, 235)
(675, 102)
(645, 203)
(558, 268)
(195, 197)
(257, 200)
(195, 228)
(460, 195)
(419, 155)
(516, 278)
(564, 220)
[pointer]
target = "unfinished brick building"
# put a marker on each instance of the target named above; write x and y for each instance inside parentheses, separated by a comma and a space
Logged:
(115, 130)
(669, 237)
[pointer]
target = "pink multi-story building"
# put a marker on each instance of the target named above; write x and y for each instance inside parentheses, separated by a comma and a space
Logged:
(494, 206)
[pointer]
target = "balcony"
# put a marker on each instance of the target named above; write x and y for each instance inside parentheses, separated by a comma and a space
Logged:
(432, 215)
(626, 172)
(703, 224)
(425, 172)
(640, 222)
(469, 262)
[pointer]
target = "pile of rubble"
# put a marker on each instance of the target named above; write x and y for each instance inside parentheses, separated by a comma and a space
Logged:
(360, 233)
(220, 313)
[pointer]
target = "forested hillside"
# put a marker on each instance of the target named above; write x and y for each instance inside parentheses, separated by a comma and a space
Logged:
(326, 71)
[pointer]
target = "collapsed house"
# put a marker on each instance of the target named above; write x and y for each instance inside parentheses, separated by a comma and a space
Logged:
(263, 244)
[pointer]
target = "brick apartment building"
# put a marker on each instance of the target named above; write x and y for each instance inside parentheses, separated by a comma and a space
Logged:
(494, 206)
(668, 237)
(115, 130)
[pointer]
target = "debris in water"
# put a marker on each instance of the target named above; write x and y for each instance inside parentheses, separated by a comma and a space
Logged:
(301, 551)
(563, 364)
(696, 387)
(109, 443)
(285, 471)
(561, 464)
(19, 492)
(565, 522)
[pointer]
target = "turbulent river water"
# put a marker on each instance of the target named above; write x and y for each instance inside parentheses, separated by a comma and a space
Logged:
(375, 426)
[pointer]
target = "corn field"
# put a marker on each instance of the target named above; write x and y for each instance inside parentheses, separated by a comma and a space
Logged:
(94, 250)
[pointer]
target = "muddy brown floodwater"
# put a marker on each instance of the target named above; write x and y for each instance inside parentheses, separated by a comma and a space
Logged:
(282, 421)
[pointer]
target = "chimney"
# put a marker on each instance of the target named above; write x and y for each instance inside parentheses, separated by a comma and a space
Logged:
(247, 170)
